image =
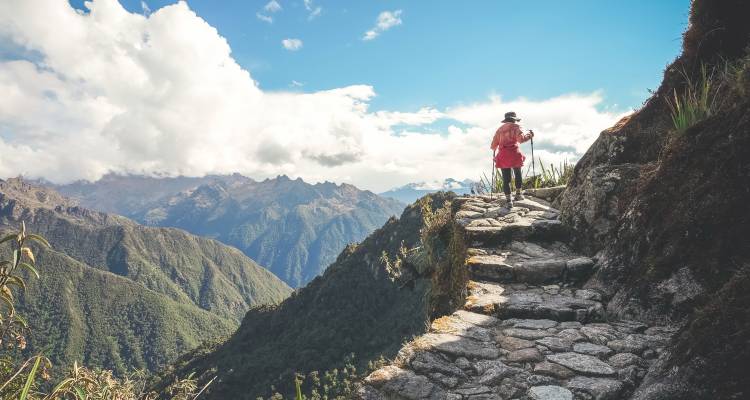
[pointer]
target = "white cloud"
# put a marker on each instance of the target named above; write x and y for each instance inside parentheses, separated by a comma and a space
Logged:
(113, 91)
(314, 11)
(386, 20)
(296, 84)
(292, 44)
(264, 18)
(272, 6)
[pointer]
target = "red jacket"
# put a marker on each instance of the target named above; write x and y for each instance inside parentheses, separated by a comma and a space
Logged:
(505, 145)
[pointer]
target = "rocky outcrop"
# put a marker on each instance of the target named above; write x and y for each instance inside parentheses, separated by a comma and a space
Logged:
(527, 329)
(664, 214)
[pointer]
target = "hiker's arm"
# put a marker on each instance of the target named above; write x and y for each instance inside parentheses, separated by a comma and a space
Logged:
(524, 137)
(495, 141)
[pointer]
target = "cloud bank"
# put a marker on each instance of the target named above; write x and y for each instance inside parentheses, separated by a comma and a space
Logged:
(113, 91)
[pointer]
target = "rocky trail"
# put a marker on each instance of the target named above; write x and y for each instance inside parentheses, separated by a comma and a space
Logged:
(528, 329)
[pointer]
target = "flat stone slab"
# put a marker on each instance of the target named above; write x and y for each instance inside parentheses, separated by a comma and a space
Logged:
(582, 363)
(511, 343)
(458, 346)
(476, 318)
(535, 324)
(596, 388)
(452, 324)
(549, 393)
(402, 382)
(494, 299)
(525, 355)
(592, 349)
(553, 370)
(555, 343)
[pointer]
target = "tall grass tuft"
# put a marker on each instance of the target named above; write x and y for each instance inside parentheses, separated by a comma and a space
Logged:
(698, 101)
(550, 175)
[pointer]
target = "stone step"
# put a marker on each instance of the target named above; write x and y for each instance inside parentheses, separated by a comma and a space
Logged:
(488, 223)
(534, 302)
(526, 262)
(474, 356)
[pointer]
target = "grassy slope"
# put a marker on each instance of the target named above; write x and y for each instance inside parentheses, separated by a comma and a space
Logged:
(82, 314)
(356, 306)
(119, 295)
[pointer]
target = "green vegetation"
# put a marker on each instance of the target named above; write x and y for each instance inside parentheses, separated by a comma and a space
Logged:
(549, 176)
(361, 304)
(697, 101)
(704, 95)
(119, 296)
(293, 228)
(25, 381)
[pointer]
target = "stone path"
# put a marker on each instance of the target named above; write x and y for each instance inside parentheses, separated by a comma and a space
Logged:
(527, 330)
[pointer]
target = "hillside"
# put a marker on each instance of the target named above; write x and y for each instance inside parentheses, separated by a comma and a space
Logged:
(293, 228)
(119, 295)
(638, 288)
(360, 305)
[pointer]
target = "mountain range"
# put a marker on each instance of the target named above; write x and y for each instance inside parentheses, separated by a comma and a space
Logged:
(409, 193)
(118, 295)
(293, 228)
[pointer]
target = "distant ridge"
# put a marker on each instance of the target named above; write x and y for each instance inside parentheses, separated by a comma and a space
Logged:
(409, 193)
(293, 228)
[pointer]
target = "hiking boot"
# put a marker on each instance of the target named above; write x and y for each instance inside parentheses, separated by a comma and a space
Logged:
(509, 204)
(519, 197)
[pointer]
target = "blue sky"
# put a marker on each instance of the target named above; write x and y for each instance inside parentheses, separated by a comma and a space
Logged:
(446, 52)
(206, 87)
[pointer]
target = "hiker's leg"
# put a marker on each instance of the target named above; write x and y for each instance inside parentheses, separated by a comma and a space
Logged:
(519, 183)
(506, 181)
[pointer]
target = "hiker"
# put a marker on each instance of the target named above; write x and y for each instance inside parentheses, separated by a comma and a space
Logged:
(508, 156)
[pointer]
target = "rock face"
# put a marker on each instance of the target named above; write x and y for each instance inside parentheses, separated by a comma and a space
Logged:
(669, 244)
(515, 338)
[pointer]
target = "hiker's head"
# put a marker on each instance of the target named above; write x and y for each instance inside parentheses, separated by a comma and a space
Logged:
(511, 117)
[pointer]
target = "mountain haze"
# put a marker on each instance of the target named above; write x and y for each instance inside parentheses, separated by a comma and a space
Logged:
(293, 228)
(409, 193)
(119, 295)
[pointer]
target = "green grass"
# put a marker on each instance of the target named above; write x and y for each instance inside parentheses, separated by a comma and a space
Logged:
(697, 101)
(549, 175)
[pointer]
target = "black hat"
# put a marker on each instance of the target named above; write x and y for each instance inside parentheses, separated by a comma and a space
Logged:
(511, 117)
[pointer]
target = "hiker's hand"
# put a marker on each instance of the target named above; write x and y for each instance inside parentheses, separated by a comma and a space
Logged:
(531, 133)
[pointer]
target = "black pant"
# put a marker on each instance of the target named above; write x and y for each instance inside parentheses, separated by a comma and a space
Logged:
(506, 179)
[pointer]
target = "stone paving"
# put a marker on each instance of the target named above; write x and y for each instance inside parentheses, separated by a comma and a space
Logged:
(527, 330)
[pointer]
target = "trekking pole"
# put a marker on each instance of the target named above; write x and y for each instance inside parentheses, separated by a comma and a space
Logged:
(492, 184)
(533, 160)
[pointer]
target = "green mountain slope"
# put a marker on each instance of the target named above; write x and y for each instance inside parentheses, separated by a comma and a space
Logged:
(359, 305)
(293, 228)
(122, 296)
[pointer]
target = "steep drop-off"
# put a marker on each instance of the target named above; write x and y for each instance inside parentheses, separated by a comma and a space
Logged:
(361, 304)
(119, 295)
